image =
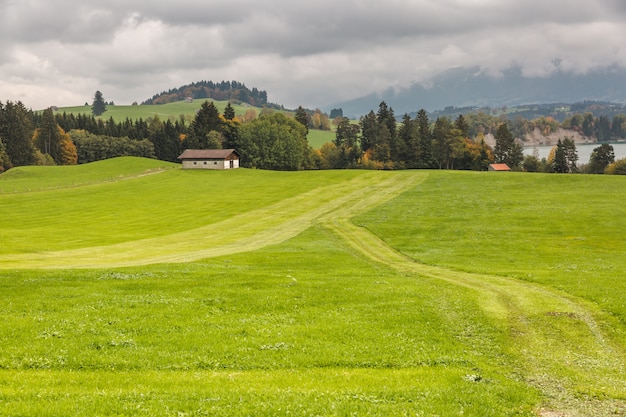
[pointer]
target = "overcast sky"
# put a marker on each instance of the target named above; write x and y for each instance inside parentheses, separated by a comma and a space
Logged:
(311, 53)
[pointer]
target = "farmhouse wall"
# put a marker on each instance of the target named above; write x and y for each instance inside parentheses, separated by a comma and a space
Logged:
(209, 159)
(210, 164)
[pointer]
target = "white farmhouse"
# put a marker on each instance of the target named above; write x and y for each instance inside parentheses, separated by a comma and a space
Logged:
(210, 159)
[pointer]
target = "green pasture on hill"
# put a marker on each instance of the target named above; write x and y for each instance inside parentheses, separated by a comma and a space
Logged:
(166, 111)
(317, 138)
(173, 111)
(131, 287)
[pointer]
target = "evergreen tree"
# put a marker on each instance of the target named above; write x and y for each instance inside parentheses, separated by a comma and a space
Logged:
(601, 157)
(386, 119)
(334, 113)
(463, 126)
(571, 156)
(448, 144)
(382, 149)
(369, 131)
(346, 134)
(5, 161)
(230, 132)
(53, 141)
(156, 135)
(485, 154)
(507, 151)
(229, 112)
(99, 105)
(303, 118)
(426, 159)
(48, 137)
(408, 138)
(346, 140)
(16, 132)
(206, 120)
(559, 164)
(170, 148)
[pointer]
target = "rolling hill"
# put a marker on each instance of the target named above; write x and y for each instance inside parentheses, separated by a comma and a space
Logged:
(171, 110)
(175, 110)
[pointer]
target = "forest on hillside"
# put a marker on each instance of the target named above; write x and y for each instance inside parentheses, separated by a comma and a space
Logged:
(225, 90)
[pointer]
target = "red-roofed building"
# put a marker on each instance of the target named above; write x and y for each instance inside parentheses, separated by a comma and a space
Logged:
(499, 167)
(210, 159)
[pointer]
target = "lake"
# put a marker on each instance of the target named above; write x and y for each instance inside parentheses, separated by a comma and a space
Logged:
(583, 150)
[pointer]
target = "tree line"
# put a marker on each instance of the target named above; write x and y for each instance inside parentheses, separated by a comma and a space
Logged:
(277, 141)
(379, 141)
(270, 141)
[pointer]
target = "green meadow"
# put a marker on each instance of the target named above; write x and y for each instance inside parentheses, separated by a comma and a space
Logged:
(129, 287)
(175, 110)
(317, 138)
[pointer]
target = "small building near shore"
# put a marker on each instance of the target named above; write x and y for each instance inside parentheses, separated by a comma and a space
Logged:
(499, 167)
(210, 159)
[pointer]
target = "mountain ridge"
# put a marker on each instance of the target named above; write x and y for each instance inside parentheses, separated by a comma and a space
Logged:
(473, 87)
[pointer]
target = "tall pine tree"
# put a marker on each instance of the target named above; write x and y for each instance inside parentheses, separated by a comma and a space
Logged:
(303, 118)
(229, 112)
(16, 132)
(507, 151)
(426, 159)
(207, 119)
(99, 106)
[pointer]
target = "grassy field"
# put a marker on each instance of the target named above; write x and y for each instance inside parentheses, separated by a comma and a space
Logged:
(319, 137)
(164, 111)
(130, 287)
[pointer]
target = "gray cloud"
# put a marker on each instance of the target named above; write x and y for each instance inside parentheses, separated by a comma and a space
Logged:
(310, 53)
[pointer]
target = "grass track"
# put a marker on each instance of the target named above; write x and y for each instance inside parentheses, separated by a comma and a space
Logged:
(539, 320)
(241, 233)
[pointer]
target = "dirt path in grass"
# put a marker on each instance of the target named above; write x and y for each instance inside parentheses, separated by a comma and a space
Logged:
(246, 232)
(541, 322)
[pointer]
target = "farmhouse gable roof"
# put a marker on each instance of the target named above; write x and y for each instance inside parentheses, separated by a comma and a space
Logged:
(208, 154)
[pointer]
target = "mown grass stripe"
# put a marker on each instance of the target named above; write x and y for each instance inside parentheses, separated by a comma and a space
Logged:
(240, 233)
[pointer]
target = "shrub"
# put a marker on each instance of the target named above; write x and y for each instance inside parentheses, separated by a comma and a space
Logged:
(617, 168)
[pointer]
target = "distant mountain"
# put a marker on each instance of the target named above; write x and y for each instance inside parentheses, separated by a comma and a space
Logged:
(471, 87)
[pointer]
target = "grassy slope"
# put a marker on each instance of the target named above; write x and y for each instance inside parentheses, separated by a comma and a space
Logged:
(327, 322)
(174, 110)
(45, 178)
(565, 231)
(164, 111)
(173, 201)
(319, 137)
